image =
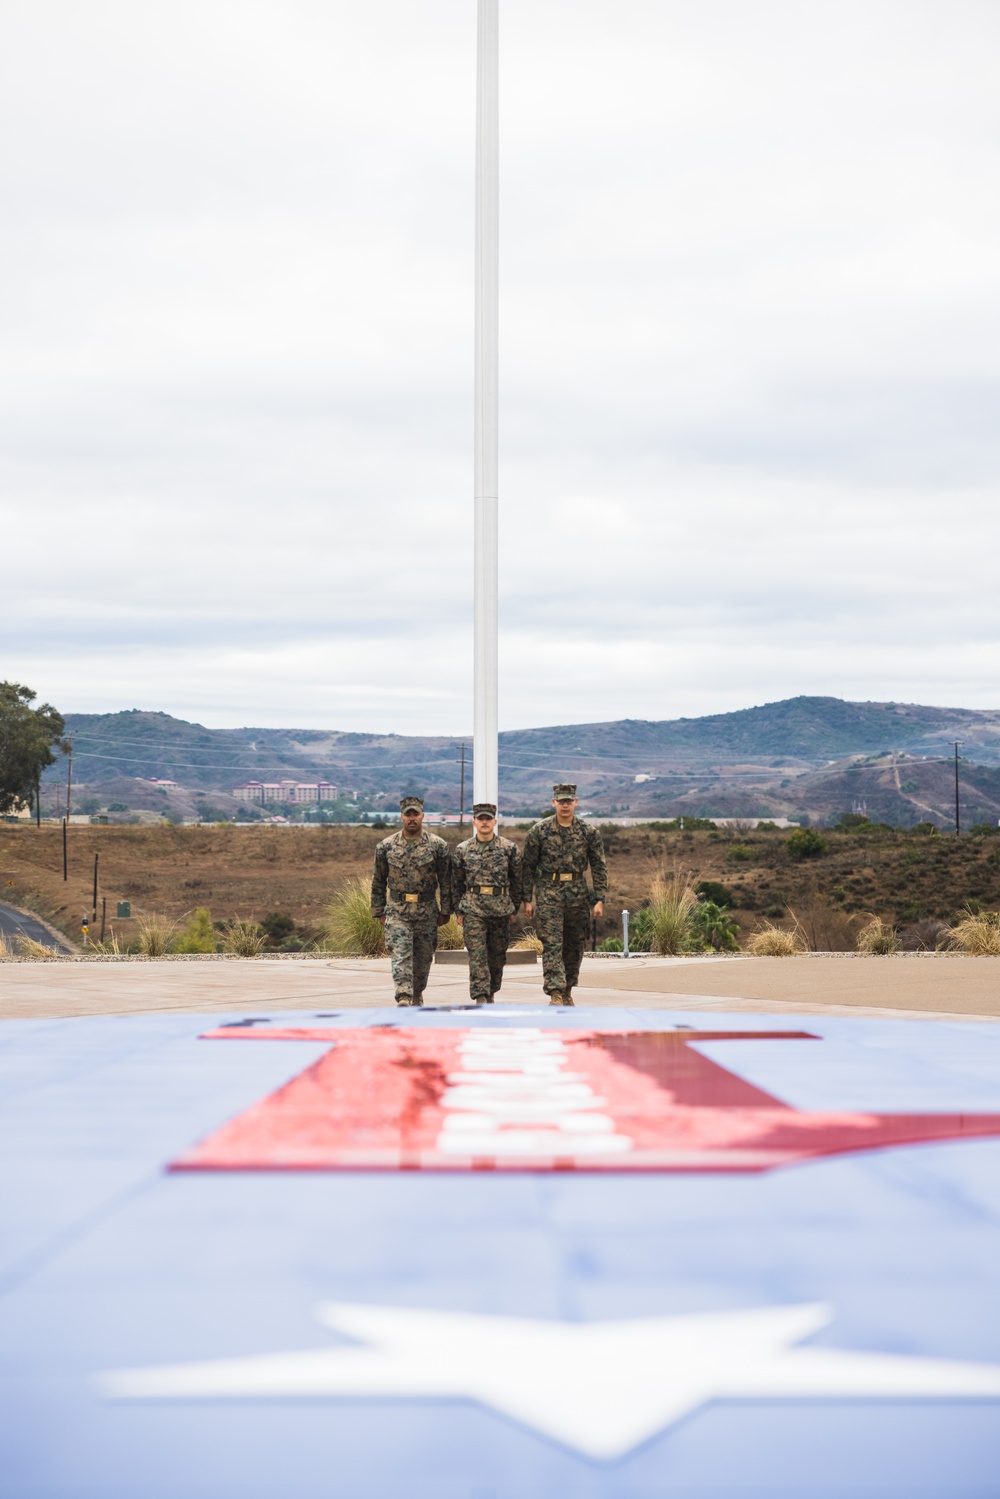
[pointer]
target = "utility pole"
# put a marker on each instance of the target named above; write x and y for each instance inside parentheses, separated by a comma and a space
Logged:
(93, 920)
(958, 828)
(484, 677)
(65, 872)
(461, 793)
(69, 778)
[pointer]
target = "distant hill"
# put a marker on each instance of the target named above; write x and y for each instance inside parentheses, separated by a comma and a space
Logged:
(774, 759)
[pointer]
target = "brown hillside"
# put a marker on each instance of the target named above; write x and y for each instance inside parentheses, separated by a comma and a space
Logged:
(912, 879)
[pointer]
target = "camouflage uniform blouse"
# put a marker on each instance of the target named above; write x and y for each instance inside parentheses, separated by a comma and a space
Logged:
(486, 877)
(555, 862)
(411, 867)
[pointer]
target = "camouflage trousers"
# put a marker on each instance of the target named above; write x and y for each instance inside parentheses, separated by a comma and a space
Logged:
(564, 930)
(411, 944)
(486, 939)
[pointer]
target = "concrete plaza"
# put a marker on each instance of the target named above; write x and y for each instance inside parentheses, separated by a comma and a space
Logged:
(947, 986)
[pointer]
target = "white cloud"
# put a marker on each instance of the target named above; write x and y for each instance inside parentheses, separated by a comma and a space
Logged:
(750, 318)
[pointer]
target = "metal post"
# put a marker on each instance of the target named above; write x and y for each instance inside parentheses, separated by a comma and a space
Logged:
(94, 917)
(104, 914)
(958, 828)
(484, 676)
(65, 873)
(461, 793)
(69, 778)
(625, 933)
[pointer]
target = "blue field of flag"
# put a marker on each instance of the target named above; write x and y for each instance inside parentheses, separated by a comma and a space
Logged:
(829, 1327)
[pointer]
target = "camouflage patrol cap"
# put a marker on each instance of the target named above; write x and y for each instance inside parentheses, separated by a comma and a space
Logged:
(564, 793)
(486, 809)
(411, 803)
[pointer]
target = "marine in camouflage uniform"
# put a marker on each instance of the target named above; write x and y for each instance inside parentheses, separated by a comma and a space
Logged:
(486, 889)
(411, 868)
(553, 878)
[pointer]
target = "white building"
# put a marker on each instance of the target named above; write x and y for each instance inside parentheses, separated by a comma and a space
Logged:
(297, 792)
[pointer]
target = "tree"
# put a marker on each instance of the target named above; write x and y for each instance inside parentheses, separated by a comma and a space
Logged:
(27, 738)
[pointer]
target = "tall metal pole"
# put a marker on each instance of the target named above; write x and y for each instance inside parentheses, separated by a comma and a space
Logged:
(956, 743)
(485, 777)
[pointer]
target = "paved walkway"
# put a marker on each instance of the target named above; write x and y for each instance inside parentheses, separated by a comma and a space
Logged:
(933, 986)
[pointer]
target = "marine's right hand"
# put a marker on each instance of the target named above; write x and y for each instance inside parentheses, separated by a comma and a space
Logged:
(380, 920)
(528, 909)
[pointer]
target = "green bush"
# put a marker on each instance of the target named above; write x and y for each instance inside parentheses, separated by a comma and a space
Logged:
(806, 844)
(715, 891)
(277, 925)
(715, 928)
(199, 934)
(611, 944)
(740, 853)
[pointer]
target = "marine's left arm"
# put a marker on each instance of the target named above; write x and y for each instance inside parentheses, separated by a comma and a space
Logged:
(514, 875)
(442, 863)
(598, 865)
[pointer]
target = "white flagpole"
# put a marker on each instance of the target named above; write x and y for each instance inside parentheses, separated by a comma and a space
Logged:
(484, 680)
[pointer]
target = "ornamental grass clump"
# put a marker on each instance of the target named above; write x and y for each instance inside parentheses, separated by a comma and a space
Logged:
(242, 938)
(878, 938)
(350, 926)
(978, 935)
(671, 904)
(28, 947)
(450, 936)
(529, 941)
(154, 936)
(770, 941)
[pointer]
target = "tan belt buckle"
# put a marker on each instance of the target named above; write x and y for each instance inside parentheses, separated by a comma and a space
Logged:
(410, 899)
(565, 876)
(486, 889)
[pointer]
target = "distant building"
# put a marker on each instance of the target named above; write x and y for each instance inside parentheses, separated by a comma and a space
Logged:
(296, 792)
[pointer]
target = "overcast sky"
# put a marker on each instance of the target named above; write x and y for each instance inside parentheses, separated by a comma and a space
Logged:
(750, 343)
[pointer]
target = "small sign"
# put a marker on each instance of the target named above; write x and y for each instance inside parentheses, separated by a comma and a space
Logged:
(124, 910)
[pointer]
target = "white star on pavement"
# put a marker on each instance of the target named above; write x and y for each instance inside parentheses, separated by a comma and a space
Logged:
(599, 1387)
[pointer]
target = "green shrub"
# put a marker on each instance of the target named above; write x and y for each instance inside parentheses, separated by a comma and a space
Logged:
(611, 944)
(715, 891)
(740, 853)
(277, 925)
(199, 934)
(806, 844)
(715, 928)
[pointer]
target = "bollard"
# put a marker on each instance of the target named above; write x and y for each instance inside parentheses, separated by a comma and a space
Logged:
(625, 934)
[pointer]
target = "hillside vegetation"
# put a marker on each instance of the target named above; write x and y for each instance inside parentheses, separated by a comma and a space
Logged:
(808, 758)
(827, 885)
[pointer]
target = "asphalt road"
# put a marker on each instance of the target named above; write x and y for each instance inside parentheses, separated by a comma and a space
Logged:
(13, 924)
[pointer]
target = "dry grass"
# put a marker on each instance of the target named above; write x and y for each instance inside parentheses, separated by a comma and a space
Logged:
(110, 947)
(878, 938)
(770, 941)
(154, 936)
(450, 936)
(6, 954)
(671, 904)
(978, 935)
(350, 925)
(27, 947)
(243, 938)
(529, 941)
